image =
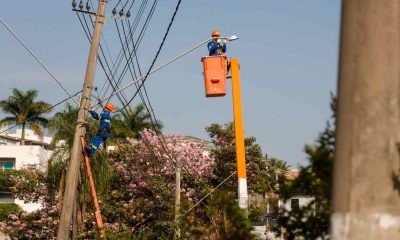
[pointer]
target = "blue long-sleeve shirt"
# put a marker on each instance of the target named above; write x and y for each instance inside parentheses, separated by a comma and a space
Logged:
(216, 49)
(105, 119)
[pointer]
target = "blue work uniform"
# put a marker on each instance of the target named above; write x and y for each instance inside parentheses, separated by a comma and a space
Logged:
(102, 134)
(216, 49)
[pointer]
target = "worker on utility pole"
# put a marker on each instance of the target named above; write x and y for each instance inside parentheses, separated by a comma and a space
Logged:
(104, 128)
(216, 46)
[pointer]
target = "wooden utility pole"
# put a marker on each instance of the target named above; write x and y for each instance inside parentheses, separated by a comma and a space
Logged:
(76, 152)
(366, 192)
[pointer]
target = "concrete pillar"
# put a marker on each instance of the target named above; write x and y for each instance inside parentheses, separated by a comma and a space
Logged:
(366, 191)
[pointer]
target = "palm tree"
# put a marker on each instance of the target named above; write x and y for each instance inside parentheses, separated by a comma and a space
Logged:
(132, 122)
(25, 111)
(62, 125)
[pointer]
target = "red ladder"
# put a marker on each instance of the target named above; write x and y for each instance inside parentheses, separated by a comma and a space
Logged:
(99, 219)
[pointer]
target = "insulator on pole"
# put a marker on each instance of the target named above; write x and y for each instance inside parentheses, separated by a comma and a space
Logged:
(128, 14)
(121, 13)
(74, 4)
(87, 6)
(81, 5)
(114, 11)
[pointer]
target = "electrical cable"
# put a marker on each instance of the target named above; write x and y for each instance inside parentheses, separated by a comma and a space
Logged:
(158, 131)
(158, 68)
(159, 50)
(129, 9)
(46, 110)
(37, 59)
(134, 50)
(208, 194)
(147, 22)
(120, 55)
(88, 34)
(133, 65)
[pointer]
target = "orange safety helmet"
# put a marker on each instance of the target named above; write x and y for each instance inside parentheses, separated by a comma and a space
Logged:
(110, 106)
(215, 33)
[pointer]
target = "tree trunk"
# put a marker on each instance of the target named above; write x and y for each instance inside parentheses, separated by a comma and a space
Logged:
(23, 134)
(61, 189)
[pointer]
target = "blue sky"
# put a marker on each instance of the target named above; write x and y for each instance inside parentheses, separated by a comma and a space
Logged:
(288, 51)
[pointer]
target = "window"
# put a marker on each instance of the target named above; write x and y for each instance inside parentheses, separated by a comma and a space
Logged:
(294, 203)
(7, 163)
(6, 197)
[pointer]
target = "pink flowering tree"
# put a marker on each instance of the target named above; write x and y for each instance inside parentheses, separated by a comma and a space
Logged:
(138, 200)
(141, 201)
(31, 187)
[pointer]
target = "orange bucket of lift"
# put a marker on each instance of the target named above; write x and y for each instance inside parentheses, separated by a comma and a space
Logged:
(215, 72)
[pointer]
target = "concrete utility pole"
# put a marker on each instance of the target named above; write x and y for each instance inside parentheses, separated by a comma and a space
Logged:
(366, 192)
(76, 152)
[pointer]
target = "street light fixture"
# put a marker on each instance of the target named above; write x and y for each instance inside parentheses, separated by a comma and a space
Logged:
(233, 38)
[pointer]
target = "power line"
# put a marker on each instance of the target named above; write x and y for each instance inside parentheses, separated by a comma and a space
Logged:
(159, 50)
(136, 57)
(37, 59)
(159, 134)
(102, 65)
(156, 69)
(209, 193)
(120, 55)
(88, 35)
(45, 111)
(133, 75)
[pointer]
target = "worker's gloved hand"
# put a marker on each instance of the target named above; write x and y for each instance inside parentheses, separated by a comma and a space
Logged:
(219, 40)
(91, 110)
(224, 41)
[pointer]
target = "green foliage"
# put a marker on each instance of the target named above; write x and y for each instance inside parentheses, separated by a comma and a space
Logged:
(223, 219)
(6, 178)
(56, 169)
(7, 209)
(63, 124)
(261, 172)
(25, 110)
(219, 216)
(315, 180)
(132, 122)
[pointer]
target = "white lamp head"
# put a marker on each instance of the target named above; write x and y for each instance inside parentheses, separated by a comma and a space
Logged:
(232, 38)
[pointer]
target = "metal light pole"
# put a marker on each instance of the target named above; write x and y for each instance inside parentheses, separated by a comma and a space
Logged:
(239, 135)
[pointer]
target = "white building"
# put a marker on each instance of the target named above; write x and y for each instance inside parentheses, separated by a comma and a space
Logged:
(33, 155)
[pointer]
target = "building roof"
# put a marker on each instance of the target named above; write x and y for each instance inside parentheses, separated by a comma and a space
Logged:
(27, 141)
(292, 174)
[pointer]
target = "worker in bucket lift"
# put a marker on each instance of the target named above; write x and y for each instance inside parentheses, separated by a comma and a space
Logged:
(104, 128)
(217, 46)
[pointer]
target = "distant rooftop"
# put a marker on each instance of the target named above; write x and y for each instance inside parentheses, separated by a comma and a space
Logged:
(30, 138)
